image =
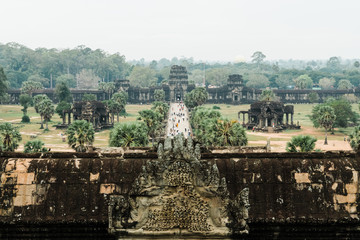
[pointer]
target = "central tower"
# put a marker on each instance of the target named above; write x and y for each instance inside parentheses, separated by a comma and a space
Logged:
(178, 83)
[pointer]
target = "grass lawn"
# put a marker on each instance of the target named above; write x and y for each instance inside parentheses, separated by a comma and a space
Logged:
(52, 138)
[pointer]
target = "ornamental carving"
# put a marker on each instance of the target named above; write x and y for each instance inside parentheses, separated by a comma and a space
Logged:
(178, 194)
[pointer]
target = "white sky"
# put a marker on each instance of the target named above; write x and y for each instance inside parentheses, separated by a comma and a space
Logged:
(221, 30)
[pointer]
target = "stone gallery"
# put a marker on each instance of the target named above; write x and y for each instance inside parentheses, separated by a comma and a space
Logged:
(234, 92)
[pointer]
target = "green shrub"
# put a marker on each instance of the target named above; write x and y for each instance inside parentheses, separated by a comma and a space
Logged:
(301, 143)
(34, 146)
(80, 135)
(129, 135)
(25, 119)
(216, 107)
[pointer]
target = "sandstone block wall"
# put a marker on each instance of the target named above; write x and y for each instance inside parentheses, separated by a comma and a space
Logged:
(316, 188)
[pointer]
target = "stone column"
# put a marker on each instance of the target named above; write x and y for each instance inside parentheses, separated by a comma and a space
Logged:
(249, 118)
(292, 119)
(266, 122)
(172, 97)
(287, 119)
(243, 118)
(69, 118)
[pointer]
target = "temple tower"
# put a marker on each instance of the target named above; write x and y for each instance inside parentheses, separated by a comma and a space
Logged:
(235, 87)
(178, 83)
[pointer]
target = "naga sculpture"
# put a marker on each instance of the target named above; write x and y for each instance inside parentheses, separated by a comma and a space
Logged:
(178, 194)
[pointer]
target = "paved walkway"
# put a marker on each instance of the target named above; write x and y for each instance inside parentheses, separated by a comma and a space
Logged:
(178, 120)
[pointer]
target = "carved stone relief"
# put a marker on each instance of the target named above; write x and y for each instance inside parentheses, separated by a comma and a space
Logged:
(179, 194)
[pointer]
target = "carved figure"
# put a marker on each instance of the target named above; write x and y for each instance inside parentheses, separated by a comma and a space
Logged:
(179, 194)
(119, 212)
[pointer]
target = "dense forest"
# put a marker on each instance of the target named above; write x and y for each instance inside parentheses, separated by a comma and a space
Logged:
(49, 66)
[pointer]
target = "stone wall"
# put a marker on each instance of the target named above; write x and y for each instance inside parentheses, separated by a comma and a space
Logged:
(286, 190)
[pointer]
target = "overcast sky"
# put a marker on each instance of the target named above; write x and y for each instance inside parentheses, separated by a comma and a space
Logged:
(222, 30)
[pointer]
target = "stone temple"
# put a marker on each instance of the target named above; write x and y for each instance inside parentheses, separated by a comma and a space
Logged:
(268, 116)
(94, 112)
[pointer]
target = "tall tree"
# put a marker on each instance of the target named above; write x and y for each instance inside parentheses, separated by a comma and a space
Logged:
(46, 109)
(333, 63)
(153, 120)
(36, 103)
(29, 87)
(345, 84)
(3, 82)
(129, 135)
(62, 92)
(357, 64)
(327, 83)
(284, 80)
(159, 95)
(61, 107)
(108, 87)
(257, 81)
(162, 108)
(39, 79)
(10, 136)
(304, 82)
(69, 79)
(196, 97)
(215, 76)
(326, 119)
(118, 103)
(258, 57)
(142, 77)
(25, 101)
(343, 111)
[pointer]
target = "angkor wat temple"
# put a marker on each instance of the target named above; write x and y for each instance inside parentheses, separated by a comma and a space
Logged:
(234, 92)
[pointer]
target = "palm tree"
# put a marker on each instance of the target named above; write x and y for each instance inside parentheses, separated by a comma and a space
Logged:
(355, 139)
(267, 95)
(126, 135)
(10, 137)
(34, 147)
(230, 133)
(153, 120)
(46, 109)
(326, 118)
(29, 87)
(37, 100)
(301, 144)
(118, 103)
(80, 135)
(223, 128)
(107, 87)
(110, 88)
(161, 107)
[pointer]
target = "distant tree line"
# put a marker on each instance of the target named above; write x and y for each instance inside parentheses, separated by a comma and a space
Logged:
(86, 68)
